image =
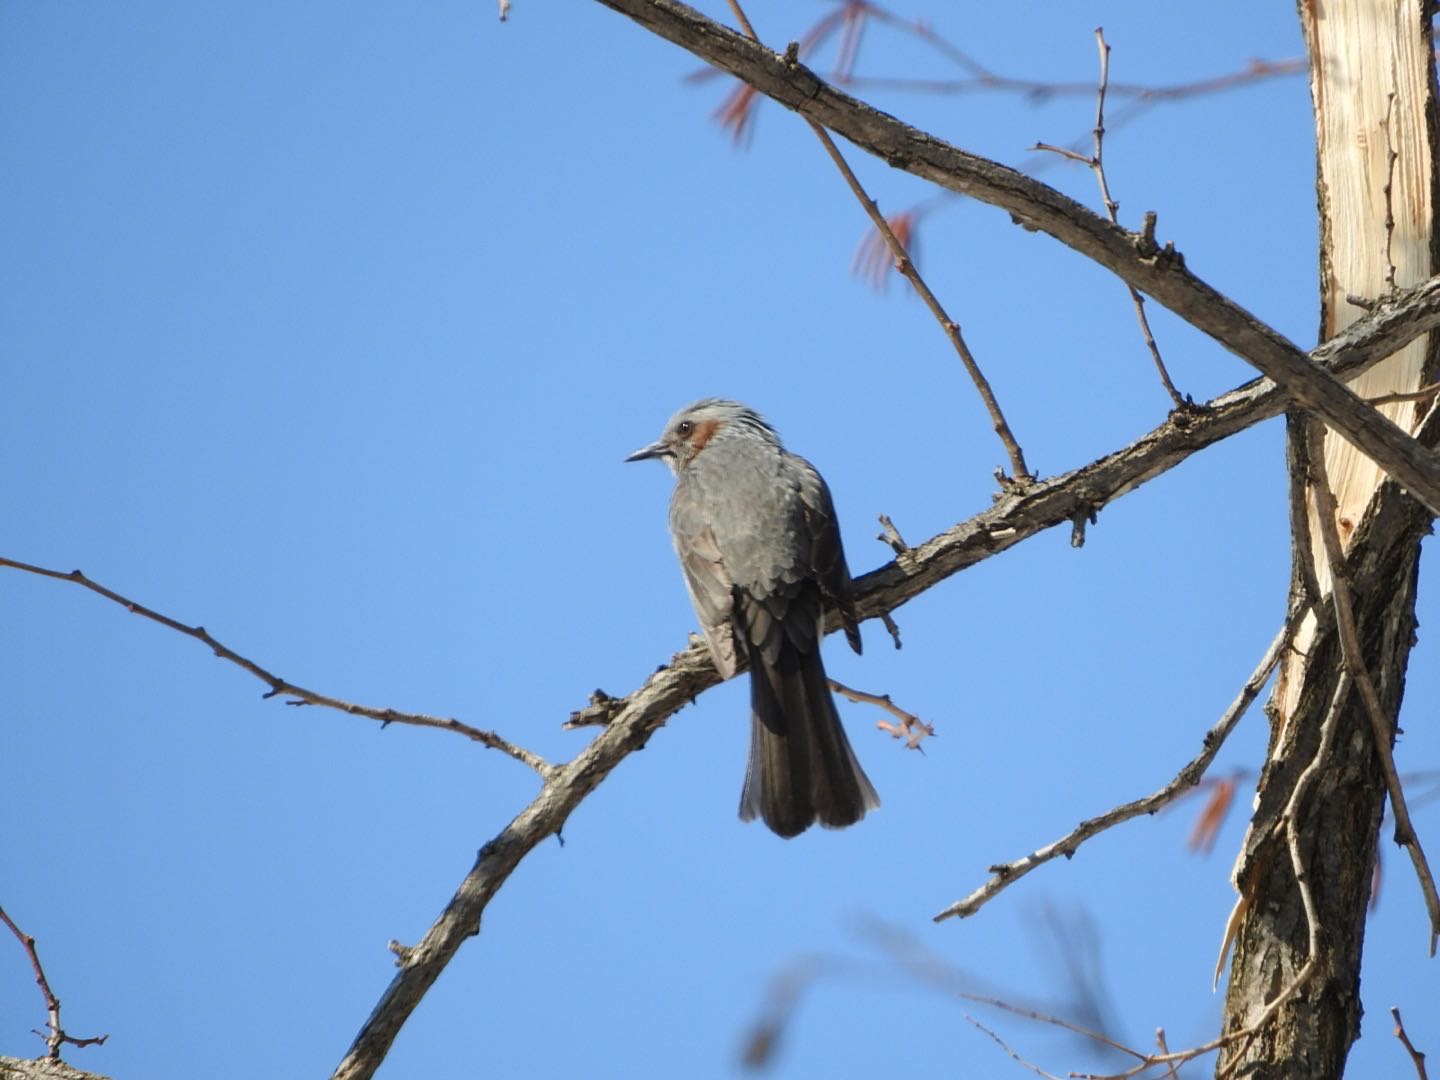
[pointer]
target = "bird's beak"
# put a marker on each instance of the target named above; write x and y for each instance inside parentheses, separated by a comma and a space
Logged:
(654, 450)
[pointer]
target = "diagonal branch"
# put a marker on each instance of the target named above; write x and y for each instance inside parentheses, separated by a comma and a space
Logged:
(1005, 874)
(1159, 272)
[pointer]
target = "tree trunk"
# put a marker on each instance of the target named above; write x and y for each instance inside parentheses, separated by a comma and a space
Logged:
(1372, 82)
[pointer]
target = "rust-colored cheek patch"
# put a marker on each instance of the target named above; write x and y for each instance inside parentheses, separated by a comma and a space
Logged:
(703, 433)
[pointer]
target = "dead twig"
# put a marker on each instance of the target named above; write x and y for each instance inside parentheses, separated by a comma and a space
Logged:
(1096, 164)
(1425, 393)
(1021, 476)
(1164, 1049)
(1415, 1055)
(57, 1036)
(1004, 874)
(908, 726)
(1006, 1047)
(279, 686)
(891, 536)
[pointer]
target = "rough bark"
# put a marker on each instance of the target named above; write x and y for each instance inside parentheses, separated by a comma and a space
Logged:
(1372, 81)
(42, 1069)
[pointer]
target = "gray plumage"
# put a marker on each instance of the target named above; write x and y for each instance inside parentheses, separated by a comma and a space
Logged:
(755, 531)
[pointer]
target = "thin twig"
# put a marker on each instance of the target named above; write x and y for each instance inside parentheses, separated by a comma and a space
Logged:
(1165, 1051)
(1423, 394)
(1415, 1055)
(1006, 1047)
(891, 536)
(909, 727)
(279, 686)
(1326, 510)
(1007, 873)
(744, 21)
(1096, 163)
(1021, 476)
(57, 1036)
(1020, 472)
(924, 966)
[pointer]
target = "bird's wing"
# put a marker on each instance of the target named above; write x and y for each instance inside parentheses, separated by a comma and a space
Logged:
(827, 553)
(711, 592)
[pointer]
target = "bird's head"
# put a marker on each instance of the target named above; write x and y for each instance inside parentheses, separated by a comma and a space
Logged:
(697, 426)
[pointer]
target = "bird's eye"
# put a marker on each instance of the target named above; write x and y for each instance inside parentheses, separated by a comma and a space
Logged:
(684, 427)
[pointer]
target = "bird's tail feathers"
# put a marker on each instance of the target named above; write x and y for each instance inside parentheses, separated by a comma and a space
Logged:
(802, 768)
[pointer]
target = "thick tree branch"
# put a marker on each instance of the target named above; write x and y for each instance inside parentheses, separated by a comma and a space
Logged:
(1159, 272)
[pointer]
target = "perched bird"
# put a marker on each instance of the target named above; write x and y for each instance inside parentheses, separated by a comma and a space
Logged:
(755, 530)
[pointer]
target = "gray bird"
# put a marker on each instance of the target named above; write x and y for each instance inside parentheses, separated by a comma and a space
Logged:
(755, 530)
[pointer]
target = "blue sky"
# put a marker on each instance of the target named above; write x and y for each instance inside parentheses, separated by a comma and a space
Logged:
(329, 326)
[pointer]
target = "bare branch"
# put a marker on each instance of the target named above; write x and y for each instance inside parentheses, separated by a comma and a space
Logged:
(1112, 209)
(1007, 873)
(1164, 1048)
(1020, 472)
(57, 1036)
(1096, 163)
(908, 726)
(1416, 1056)
(283, 687)
(906, 266)
(1006, 1047)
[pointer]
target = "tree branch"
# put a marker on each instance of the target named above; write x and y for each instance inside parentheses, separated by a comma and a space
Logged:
(1416, 1057)
(905, 265)
(58, 1036)
(1160, 273)
(1007, 873)
(279, 686)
